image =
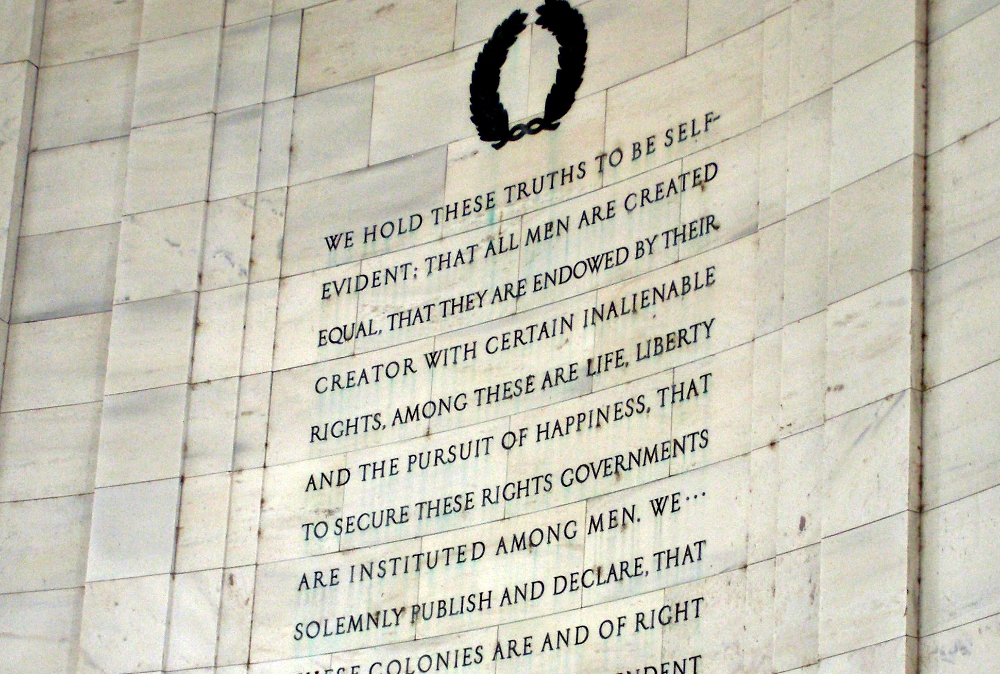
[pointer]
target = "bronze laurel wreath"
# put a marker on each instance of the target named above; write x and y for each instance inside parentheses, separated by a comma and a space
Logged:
(488, 113)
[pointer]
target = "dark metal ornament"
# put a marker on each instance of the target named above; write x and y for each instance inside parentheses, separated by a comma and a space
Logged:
(488, 114)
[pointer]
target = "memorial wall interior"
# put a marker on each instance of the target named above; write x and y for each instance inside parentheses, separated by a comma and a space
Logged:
(499, 336)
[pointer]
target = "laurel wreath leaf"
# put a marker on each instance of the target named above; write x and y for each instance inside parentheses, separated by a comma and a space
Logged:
(567, 26)
(488, 113)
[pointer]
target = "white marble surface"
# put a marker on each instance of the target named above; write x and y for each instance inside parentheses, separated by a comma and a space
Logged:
(433, 95)
(234, 619)
(961, 422)
(888, 95)
(282, 54)
(201, 540)
(878, 326)
(84, 262)
(963, 99)
(21, 37)
(84, 101)
(168, 18)
(240, 11)
(268, 235)
(331, 131)
(211, 427)
(712, 20)
(797, 583)
(236, 152)
(959, 583)
(350, 40)
(40, 626)
(142, 436)
(866, 572)
(358, 200)
(31, 557)
(123, 625)
(168, 164)
(258, 333)
(77, 31)
(865, 32)
(962, 650)
(160, 253)
(75, 187)
(133, 530)
(177, 76)
(656, 37)
(151, 343)
(810, 49)
(886, 207)
(961, 301)
(244, 60)
(275, 144)
(871, 463)
(219, 333)
(803, 375)
(69, 450)
(961, 206)
(194, 623)
(190, 159)
(57, 362)
(228, 229)
(945, 16)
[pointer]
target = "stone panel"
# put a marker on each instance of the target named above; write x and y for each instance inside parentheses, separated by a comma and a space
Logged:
(167, 18)
(176, 77)
(710, 21)
(655, 30)
(884, 206)
(961, 418)
(865, 572)
(160, 253)
(77, 31)
(75, 187)
(945, 16)
(194, 607)
(244, 61)
(133, 531)
(961, 207)
(65, 274)
(962, 650)
(168, 164)
(433, 95)
(962, 100)
(123, 625)
(57, 362)
(236, 152)
(211, 427)
(354, 39)
(866, 32)
(961, 299)
(282, 55)
(331, 131)
(85, 101)
(887, 94)
(142, 436)
(66, 452)
(33, 558)
(151, 343)
(40, 626)
(958, 585)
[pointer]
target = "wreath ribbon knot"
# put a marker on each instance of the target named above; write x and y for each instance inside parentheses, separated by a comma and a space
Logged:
(488, 113)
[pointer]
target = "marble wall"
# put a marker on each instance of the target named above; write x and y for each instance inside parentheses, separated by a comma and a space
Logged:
(280, 331)
(958, 613)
